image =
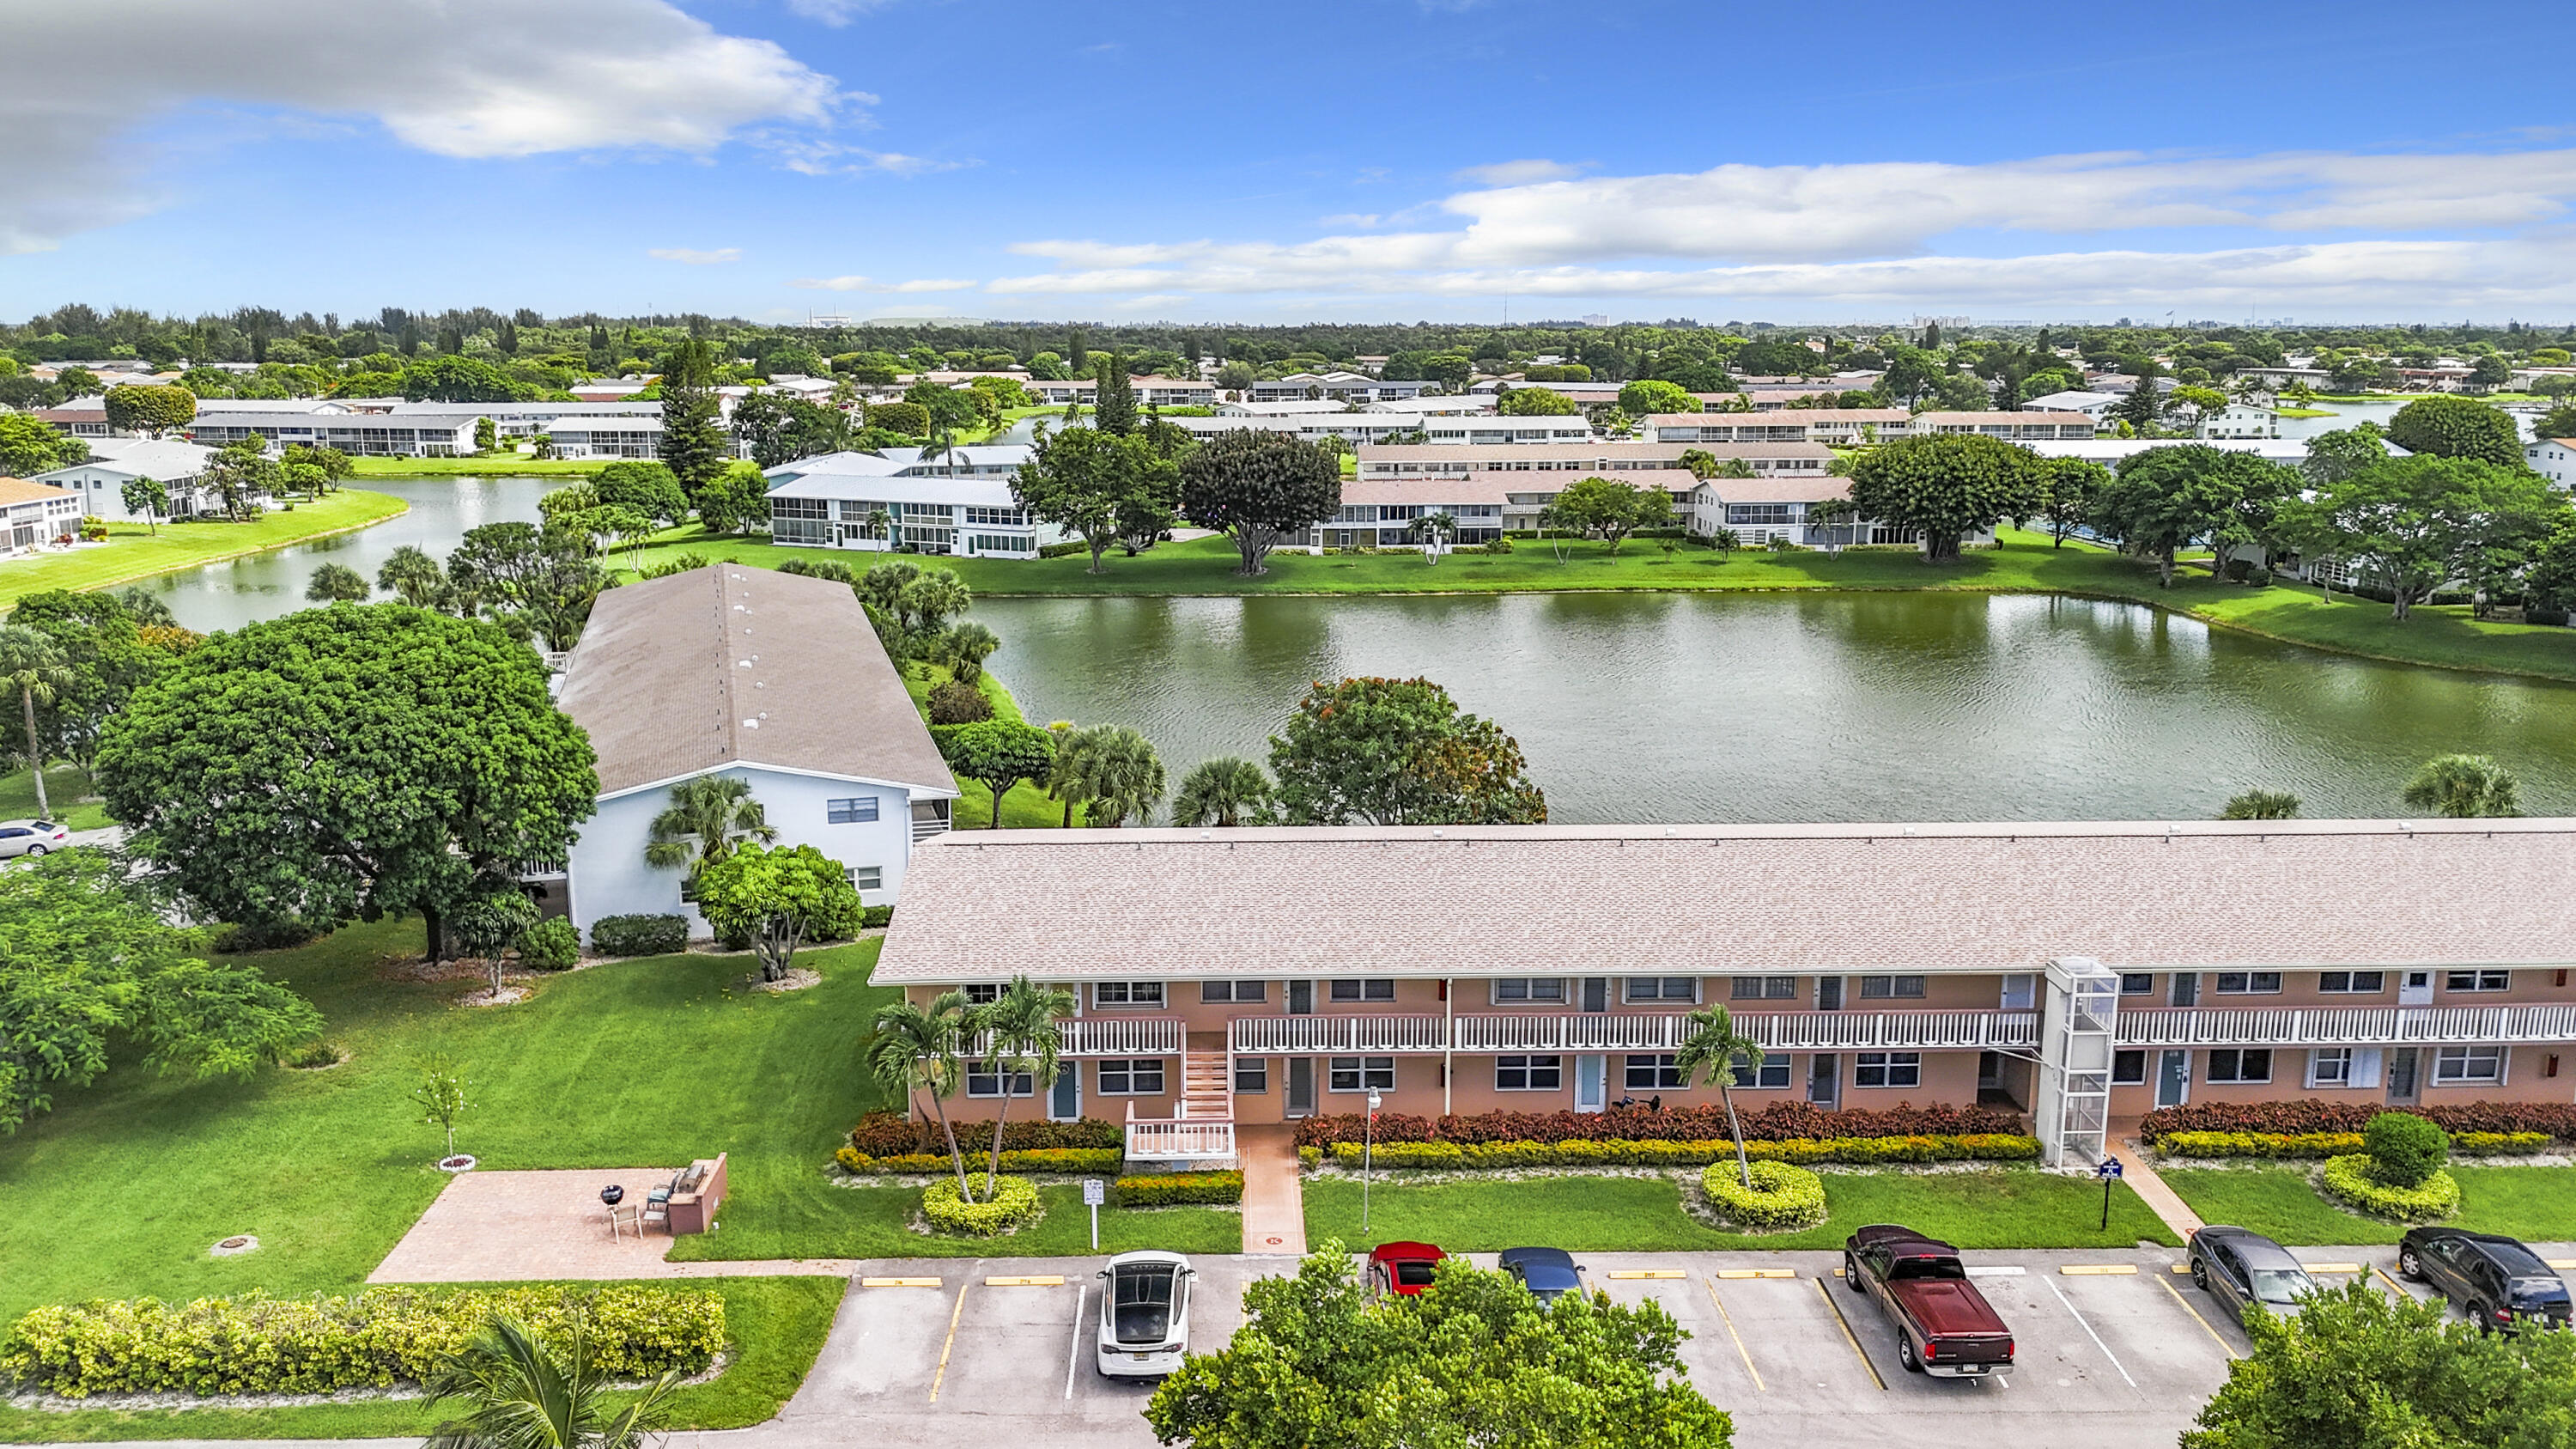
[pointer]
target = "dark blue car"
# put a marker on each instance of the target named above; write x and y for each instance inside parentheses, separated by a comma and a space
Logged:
(1545, 1272)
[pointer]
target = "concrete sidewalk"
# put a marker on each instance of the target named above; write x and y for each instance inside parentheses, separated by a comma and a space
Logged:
(1274, 1199)
(2164, 1201)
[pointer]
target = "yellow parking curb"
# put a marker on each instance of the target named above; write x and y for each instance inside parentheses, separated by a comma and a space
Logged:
(2098, 1270)
(1650, 1273)
(2560, 1262)
(1757, 1272)
(2179, 1268)
(1028, 1280)
(2332, 1267)
(898, 1282)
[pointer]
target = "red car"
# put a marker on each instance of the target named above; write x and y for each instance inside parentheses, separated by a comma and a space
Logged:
(1402, 1267)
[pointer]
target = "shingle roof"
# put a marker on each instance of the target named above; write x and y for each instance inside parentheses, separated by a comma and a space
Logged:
(677, 676)
(19, 490)
(1717, 900)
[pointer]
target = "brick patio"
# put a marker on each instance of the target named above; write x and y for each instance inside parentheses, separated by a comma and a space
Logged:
(504, 1226)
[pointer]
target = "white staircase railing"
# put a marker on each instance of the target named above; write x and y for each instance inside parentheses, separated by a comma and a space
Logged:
(1173, 1140)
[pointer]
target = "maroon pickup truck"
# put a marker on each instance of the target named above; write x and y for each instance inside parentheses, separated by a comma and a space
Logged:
(1943, 1324)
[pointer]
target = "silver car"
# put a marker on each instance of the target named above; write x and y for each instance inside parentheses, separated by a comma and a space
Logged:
(31, 837)
(1144, 1315)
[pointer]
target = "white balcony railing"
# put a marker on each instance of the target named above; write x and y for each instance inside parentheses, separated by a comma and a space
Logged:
(2345, 1025)
(1629, 1031)
(1168, 1140)
(1869, 1030)
(1293, 1035)
(1107, 1036)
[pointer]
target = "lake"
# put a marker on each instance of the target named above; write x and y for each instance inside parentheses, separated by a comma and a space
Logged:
(1770, 707)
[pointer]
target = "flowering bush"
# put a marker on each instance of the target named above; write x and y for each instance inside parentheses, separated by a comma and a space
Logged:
(2348, 1181)
(1015, 1202)
(1039, 1159)
(260, 1345)
(1782, 1196)
(1779, 1122)
(1166, 1189)
(1580, 1152)
(891, 1134)
(2558, 1119)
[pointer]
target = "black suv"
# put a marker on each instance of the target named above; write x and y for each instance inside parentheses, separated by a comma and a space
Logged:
(2500, 1284)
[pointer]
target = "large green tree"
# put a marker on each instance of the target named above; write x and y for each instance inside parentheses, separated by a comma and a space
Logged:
(1113, 401)
(1096, 485)
(1648, 396)
(2415, 524)
(88, 961)
(694, 444)
(1255, 485)
(2162, 500)
(998, 754)
(2457, 427)
(1946, 486)
(1398, 752)
(1611, 508)
(651, 489)
(1320, 1363)
(101, 640)
(2068, 490)
(780, 898)
(1536, 402)
(346, 763)
(150, 408)
(34, 669)
(29, 446)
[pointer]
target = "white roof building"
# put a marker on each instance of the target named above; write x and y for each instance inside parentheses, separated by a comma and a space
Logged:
(114, 462)
(953, 502)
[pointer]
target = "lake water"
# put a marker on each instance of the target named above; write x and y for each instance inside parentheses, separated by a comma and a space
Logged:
(1656, 708)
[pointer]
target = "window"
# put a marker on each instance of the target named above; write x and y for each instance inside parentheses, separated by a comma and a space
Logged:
(1653, 1074)
(865, 877)
(2245, 983)
(1529, 1074)
(2137, 983)
(2362, 982)
(1359, 1074)
(1540, 988)
(2240, 1064)
(1764, 988)
(1234, 991)
(1140, 1077)
(2469, 1064)
(1773, 1073)
(1888, 1069)
(1109, 994)
(984, 995)
(2128, 1069)
(1251, 1076)
(1663, 988)
(1374, 989)
(989, 1084)
(857, 811)
(2330, 1067)
(1005, 517)
(1887, 988)
(2476, 980)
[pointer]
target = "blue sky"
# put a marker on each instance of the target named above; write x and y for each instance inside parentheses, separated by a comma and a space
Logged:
(1389, 160)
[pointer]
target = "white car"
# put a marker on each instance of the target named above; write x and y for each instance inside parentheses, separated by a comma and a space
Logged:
(31, 837)
(1144, 1314)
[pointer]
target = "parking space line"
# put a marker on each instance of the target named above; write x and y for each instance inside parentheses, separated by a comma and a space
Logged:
(2097, 1270)
(2332, 1267)
(1849, 1337)
(1073, 1355)
(1027, 1280)
(2087, 1325)
(898, 1282)
(1996, 1270)
(1757, 1272)
(1741, 1351)
(2560, 1262)
(1650, 1273)
(944, 1349)
(2228, 1348)
(2393, 1283)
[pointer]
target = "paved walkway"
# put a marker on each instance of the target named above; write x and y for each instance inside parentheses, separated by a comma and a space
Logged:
(2166, 1203)
(1274, 1201)
(491, 1227)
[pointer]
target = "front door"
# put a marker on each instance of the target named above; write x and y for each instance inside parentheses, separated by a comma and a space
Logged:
(1829, 993)
(2173, 1078)
(1824, 1074)
(1596, 993)
(1301, 998)
(2415, 988)
(2186, 988)
(2401, 1076)
(1064, 1101)
(1591, 1083)
(1301, 1086)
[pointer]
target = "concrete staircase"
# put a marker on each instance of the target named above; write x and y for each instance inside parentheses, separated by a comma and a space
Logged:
(1207, 1095)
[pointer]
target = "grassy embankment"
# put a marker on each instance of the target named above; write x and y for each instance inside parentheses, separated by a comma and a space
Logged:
(135, 551)
(2534, 1203)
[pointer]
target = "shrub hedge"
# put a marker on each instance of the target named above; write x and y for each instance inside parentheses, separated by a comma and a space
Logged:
(550, 945)
(891, 1134)
(1782, 1196)
(1014, 1203)
(875, 918)
(639, 935)
(2331, 1144)
(2348, 1180)
(1166, 1189)
(2558, 1119)
(1041, 1159)
(374, 1339)
(1990, 1147)
(2404, 1150)
(1779, 1122)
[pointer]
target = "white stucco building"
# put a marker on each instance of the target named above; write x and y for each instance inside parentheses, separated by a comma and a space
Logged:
(771, 678)
(113, 462)
(2553, 459)
(951, 501)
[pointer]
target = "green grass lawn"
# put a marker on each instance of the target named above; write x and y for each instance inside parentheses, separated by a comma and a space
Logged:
(65, 785)
(1025, 806)
(874, 1222)
(2006, 1208)
(2534, 1203)
(135, 551)
(508, 462)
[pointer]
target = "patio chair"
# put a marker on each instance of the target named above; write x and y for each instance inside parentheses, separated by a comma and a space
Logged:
(657, 1203)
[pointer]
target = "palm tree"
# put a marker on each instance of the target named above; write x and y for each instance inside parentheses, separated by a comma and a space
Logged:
(1432, 530)
(1222, 792)
(705, 818)
(1700, 463)
(914, 1050)
(37, 671)
(1068, 776)
(1022, 1039)
(964, 648)
(1122, 776)
(2464, 787)
(336, 584)
(411, 575)
(2261, 805)
(931, 598)
(520, 1395)
(1713, 1045)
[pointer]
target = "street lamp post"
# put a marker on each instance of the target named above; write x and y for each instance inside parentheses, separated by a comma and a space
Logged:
(1368, 1157)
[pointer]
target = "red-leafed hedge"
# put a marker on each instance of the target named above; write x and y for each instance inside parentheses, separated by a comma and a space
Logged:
(1779, 1122)
(2558, 1119)
(889, 1134)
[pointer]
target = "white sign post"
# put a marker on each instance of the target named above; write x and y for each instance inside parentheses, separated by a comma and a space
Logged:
(1094, 1193)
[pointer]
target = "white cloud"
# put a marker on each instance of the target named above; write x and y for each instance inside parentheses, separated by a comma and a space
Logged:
(817, 157)
(1519, 173)
(695, 258)
(463, 78)
(833, 12)
(865, 284)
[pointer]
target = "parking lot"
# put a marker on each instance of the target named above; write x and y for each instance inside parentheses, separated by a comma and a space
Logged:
(2113, 1350)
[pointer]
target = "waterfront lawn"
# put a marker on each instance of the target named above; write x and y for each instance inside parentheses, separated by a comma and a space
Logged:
(133, 551)
(2002, 1208)
(1024, 806)
(504, 464)
(2537, 1204)
(777, 1326)
(66, 787)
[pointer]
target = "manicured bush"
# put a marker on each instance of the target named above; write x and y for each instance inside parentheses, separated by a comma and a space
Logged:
(891, 1134)
(1066, 549)
(550, 945)
(2258, 1144)
(1779, 1122)
(1310, 1158)
(639, 935)
(1166, 1189)
(1578, 1152)
(875, 918)
(1042, 1159)
(952, 703)
(1782, 1196)
(2558, 1119)
(241, 936)
(2498, 1144)
(374, 1339)
(2348, 1180)
(2404, 1149)
(1014, 1203)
